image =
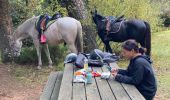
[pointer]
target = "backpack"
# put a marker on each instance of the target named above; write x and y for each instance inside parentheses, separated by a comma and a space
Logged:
(80, 60)
(91, 62)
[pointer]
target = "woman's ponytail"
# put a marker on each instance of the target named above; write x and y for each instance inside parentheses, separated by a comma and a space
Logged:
(142, 50)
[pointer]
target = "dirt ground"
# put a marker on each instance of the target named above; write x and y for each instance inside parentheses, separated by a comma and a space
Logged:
(13, 89)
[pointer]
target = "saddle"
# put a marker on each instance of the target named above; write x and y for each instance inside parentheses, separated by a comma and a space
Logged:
(42, 24)
(114, 24)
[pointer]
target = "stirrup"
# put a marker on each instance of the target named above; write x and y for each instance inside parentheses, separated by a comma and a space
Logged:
(43, 39)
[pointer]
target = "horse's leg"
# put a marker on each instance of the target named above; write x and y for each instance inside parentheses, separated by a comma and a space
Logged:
(38, 49)
(73, 49)
(108, 48)
(48, 55)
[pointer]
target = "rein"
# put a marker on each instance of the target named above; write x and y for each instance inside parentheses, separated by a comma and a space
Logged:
(118, 29)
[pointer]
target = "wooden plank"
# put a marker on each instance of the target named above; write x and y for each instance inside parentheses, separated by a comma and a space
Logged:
(57, 86)
(117, 88)
(92, 91)
(48, 89)
(104, 88)
(133, 92)
(78, 90)
(66, 84)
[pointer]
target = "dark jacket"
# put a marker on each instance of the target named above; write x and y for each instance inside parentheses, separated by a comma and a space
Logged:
(140, 74)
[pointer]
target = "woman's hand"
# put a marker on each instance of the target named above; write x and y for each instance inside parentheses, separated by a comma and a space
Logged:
(114, 71)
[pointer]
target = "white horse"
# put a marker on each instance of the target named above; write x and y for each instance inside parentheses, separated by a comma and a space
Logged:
(65, 29)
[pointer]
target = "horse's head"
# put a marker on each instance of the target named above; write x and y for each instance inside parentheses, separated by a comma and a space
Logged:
(23, 31)
(93, 13)
(97, 17)
(16, 45)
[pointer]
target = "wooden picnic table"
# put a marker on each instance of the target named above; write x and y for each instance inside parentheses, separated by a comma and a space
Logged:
(99, 89)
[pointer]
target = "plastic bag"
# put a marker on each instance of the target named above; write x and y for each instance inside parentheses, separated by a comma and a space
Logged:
(105, 75)
(80, 79)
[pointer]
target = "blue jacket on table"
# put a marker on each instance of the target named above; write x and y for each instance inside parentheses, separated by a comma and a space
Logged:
(140, 74)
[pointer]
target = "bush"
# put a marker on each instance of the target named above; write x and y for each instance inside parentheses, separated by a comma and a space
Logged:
(29, 55)
(167, 22)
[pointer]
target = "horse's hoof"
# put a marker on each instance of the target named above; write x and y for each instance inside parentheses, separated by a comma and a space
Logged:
(50, 66)
(39, 67)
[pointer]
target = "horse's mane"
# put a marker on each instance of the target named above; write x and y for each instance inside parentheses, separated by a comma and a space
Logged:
(29, 21)
(100, 16)
(24, 27)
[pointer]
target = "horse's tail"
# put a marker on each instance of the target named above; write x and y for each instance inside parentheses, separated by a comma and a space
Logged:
(79, 38)
(148, 38)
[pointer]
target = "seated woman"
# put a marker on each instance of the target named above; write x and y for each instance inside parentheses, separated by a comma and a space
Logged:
(139, 71)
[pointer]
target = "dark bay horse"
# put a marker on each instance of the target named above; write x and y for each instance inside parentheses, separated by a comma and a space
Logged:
(121, 30)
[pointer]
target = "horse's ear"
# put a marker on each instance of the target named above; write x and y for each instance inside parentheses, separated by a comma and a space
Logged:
(91, 12)
(95, 10)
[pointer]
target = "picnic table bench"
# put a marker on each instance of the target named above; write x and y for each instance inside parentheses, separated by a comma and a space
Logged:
(52, 87)
(99, 89)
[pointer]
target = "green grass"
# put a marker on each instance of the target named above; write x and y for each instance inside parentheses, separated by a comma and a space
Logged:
(161, 58)
(161, 62)
(163, 85)
(161, 49)
(30, 75)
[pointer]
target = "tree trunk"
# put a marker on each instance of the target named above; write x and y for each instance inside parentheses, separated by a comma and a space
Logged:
(26, 2)
(77, 9)
(5, 31)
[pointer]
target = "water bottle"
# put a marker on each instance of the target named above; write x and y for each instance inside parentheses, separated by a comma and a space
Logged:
(89, 77)
(86, 64)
